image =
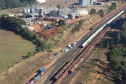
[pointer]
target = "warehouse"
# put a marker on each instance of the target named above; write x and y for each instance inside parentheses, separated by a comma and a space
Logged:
(78, 13)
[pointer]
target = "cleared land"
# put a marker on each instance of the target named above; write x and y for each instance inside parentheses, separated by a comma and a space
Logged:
(12, 49)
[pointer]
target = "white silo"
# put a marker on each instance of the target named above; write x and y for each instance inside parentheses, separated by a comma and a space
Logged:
(82, 2)
(32, 10)
(40, 1)
(41, 12)
(24, 11)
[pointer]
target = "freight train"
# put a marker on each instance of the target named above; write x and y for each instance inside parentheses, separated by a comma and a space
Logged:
(99, 30)
(37, 76)
(73, 64)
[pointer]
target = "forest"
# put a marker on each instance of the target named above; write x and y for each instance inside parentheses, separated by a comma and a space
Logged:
(117, 53)
(7, 4)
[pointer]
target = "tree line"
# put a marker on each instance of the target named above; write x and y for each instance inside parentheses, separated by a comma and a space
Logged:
(15, 24)
(6, 4)
(117, 54)
(101, 11)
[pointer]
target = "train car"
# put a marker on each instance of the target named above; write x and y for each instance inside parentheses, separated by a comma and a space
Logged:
(37, 77)
(56, 82)
(31, 81)
(65, 67)
(69, 63)
(71, 70)
(61, 71)
(64, 75)
(59, 79)
(42, 69)
(42, 73)
(99, 30)
(57, 76)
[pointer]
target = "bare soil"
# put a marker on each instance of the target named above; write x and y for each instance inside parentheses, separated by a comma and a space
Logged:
(46, 34)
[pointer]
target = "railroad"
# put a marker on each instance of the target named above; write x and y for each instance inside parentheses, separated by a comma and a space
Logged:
(40, 73)
(74, 53)
(74, 64)
(68, 79)
(79, 59)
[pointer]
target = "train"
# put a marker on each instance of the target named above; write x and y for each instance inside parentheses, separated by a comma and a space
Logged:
(70, 69)
(99, 30)
(74, 63)
(40, 73)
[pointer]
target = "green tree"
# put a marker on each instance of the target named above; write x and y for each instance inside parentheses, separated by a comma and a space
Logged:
(102, 44)
(61, 22)
(29, 55)
(38, 49)
(108, 46)
(58, 6)
(93, 11)
(101, 13)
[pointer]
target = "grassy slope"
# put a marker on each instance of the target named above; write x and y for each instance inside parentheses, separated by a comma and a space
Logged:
(12, 48)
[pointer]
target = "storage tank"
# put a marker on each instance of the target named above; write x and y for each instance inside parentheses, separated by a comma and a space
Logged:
(24, 11)
(41, 12)
(82, 2)
(82, 12)
(85, 2)
(32, 10)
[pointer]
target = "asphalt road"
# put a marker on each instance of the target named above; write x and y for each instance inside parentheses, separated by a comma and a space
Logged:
(72, 53)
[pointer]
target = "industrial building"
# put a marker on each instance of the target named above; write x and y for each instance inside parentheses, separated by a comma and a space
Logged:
(78, 13)
(86, 2)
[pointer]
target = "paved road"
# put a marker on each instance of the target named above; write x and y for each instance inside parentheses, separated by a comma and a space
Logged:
(73, 53)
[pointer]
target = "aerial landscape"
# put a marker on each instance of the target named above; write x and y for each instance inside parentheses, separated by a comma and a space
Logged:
(62, 42)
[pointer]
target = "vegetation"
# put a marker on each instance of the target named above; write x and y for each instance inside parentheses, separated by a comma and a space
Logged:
(117, 55)
(6, 4)
(77, 26)
(58, 6)
(93, 11)
(15, 25)
(112, 7)
(101, 13)
(61, 23)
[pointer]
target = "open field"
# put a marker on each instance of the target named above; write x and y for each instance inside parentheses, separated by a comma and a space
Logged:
(12, 49)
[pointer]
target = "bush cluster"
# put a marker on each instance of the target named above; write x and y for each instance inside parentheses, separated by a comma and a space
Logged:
(77, 27)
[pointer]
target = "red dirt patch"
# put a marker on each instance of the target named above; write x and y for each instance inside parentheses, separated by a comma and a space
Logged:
(46, 34)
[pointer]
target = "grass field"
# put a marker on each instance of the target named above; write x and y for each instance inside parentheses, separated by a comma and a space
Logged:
(12, 49)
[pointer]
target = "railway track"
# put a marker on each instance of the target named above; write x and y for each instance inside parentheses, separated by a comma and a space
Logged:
(75, 52)
(68, 79)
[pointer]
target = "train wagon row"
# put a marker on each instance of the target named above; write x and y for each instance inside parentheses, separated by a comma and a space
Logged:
(105, 19)
(63, 69)
(77, 61)
(99, 30)
(37, 76)
(88, 49)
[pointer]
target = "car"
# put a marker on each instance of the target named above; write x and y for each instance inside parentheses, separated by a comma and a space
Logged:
(56, 54)
(50, 58)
